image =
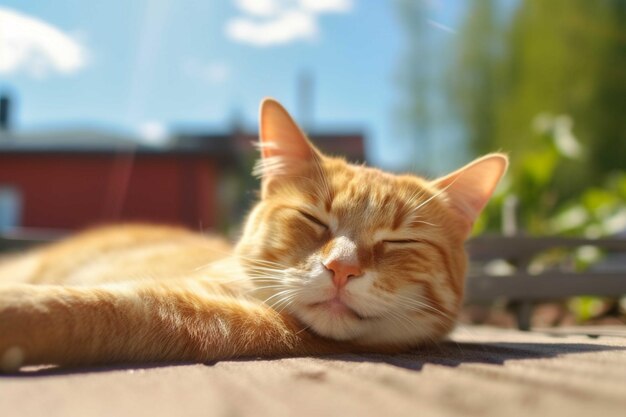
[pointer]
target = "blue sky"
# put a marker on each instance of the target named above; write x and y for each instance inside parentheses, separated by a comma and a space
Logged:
(182, 63)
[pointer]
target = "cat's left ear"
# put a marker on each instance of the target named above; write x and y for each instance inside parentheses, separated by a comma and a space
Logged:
(280, 135)
(468, 189)
(285, 149)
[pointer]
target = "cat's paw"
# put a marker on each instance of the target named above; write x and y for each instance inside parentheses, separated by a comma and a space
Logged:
(17, 303)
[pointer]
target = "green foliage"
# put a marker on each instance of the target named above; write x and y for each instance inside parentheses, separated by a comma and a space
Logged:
(543, 208)
(513, 67)
(586, 308)
(516, 66)
(597, 212)
(557, 56)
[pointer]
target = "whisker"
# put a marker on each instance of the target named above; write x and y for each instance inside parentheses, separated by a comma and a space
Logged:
(437, 194)
(412, 302)
(303, 329)
(281, 293)
(266, 287)
(291, 300)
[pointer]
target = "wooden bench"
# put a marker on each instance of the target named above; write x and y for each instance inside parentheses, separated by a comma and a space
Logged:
(523, 288)
(21, 239)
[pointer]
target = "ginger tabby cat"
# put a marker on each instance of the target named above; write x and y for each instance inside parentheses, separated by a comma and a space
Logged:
(333, 258)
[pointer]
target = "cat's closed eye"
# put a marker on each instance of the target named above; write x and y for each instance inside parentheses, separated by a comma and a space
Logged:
(313, 219)
(402, 241)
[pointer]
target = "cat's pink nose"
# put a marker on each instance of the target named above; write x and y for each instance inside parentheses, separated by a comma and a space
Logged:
(343, 272)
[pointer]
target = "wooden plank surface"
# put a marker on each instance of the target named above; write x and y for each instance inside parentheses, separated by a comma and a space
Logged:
(487, 247)
(481, 372)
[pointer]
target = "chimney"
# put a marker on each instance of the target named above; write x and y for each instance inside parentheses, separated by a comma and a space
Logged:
(5, 112)
(305, 98)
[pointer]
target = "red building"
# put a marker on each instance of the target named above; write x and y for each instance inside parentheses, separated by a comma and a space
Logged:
(74, 180)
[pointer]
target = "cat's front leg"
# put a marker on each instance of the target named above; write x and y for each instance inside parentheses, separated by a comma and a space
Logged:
(50, 324)
(147, 322)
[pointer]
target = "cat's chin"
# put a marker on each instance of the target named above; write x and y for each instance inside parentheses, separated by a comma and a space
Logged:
(336, 309)
(333, 320)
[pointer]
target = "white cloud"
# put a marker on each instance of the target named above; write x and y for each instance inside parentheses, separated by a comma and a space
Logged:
(32, 46)
(211, 73)
(259, 7)
(287, 27)
(153, 133)
(327, 6)
(275, 22)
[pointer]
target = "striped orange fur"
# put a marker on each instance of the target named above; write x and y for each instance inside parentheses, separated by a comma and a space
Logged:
(333, 258)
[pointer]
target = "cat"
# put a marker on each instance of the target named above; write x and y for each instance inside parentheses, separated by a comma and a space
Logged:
(333, 258)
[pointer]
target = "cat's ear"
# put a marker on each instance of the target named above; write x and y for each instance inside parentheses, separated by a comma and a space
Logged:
(284, 147)
(280, 135)
(468, 189)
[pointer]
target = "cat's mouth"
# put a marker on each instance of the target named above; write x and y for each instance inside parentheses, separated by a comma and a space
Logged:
(336, 307)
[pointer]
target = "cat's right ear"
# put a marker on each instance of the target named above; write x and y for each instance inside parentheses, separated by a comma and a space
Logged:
(284, 147)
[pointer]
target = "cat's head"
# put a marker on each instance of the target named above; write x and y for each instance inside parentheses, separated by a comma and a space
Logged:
(355, 253)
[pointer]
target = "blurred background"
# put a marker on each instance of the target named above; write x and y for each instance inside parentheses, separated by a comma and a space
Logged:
(147, 110)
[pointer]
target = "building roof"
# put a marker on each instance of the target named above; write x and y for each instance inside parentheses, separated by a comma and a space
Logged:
(349, 144)
(232, 143)
(98, 141)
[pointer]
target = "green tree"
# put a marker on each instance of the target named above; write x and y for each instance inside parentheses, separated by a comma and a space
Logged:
(419, 83)
(554, 57)
(474, 82)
